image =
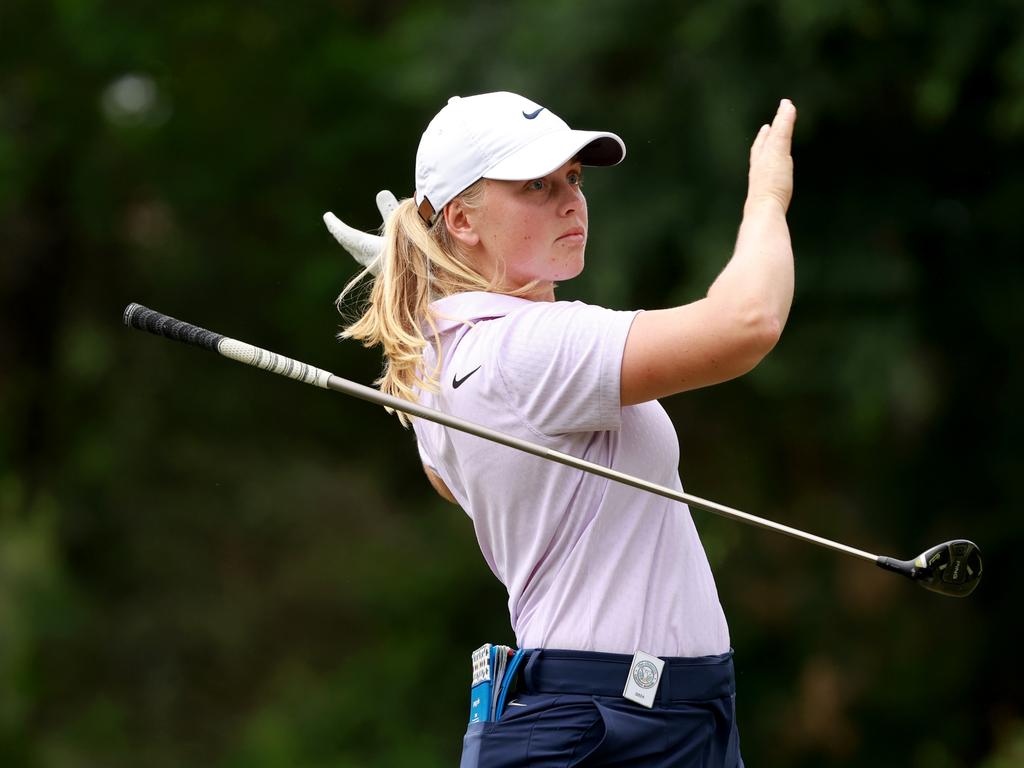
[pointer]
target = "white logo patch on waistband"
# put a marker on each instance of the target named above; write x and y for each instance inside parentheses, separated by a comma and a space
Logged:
(643, 680)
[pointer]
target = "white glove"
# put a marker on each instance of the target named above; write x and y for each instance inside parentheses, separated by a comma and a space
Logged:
(364, 247)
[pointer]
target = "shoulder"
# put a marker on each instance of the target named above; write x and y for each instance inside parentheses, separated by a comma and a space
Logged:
(566, 331)
(559, 362)
(556, 317)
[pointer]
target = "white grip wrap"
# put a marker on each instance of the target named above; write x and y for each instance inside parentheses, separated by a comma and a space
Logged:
(273, 362)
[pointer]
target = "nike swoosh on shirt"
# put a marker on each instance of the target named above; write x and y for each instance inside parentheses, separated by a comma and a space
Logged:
(457, 382)
(533, 114)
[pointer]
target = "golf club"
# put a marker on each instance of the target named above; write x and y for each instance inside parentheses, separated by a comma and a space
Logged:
(952, 568)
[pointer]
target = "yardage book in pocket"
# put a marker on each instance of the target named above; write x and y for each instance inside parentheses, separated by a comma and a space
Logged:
(491, 667)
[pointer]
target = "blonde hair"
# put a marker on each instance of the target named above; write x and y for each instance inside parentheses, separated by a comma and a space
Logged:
(419, 264)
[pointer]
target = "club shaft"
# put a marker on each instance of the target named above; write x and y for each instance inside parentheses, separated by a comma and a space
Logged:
(145, 319)
(376, 396)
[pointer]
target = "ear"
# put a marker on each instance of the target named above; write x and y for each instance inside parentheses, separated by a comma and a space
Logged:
(459, 221)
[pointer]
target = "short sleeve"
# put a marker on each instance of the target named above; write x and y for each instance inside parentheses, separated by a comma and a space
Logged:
(561, 363)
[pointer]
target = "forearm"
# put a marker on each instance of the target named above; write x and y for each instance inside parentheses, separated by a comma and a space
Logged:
(758, 280)
(730, 331)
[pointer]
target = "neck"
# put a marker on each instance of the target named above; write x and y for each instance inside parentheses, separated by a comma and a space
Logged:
(545, 291)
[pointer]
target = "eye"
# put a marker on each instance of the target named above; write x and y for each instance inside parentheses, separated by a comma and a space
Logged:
(536, 185)
(575, 178)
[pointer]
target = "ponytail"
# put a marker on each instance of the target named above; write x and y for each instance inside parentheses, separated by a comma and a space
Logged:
(418, 265)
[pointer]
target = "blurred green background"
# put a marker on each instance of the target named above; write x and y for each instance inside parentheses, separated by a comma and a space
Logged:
(204, 565)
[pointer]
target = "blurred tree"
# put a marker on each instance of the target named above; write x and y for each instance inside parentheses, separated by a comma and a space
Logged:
(202, 566)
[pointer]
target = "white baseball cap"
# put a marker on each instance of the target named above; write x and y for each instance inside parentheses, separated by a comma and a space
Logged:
(500, 136)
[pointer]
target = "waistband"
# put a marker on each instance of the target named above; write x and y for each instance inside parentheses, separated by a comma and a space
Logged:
(697, 678)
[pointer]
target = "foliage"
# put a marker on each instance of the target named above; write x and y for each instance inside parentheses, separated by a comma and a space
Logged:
(203, 566)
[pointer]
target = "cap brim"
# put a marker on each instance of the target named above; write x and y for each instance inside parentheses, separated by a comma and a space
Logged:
(553, 150)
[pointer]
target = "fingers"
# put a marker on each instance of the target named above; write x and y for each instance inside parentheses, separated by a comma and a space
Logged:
(778, 135)
(758, 145)
(771, 163)
(781, 134)
(386, 204)
(363, 247)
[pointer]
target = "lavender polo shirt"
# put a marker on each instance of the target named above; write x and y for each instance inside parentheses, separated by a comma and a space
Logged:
(589, 564)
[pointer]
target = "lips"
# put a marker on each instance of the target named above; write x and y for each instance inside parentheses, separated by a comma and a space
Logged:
(576, 233)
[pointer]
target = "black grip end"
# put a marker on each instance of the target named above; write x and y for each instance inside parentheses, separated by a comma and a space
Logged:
(130, 312)
(145, 319)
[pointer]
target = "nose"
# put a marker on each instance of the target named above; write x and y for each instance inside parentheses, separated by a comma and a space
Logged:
(570, 199)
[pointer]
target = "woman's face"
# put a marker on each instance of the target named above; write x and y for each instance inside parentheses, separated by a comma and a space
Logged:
(537, 229)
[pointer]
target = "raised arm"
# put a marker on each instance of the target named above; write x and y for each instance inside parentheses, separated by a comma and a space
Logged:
(727, 333)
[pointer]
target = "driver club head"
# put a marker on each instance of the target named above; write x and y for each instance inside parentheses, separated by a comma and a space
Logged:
(952, 568)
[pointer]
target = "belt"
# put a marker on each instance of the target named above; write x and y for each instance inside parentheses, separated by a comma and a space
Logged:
(697, 678)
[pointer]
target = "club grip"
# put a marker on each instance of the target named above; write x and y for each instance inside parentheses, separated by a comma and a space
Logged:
(138, 316)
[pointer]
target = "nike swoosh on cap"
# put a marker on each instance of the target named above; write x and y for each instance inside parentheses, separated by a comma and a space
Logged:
(457, 382)
(533, 114)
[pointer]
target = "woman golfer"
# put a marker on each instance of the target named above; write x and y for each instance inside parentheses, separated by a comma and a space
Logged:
(626, 655)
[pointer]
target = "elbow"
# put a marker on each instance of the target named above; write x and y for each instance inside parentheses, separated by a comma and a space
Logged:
(695, 345)
(769, 332)
(760, 331)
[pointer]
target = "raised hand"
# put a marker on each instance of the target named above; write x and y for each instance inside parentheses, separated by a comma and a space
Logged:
(771, 164)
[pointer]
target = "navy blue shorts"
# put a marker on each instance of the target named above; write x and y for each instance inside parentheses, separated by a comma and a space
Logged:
(568, 710)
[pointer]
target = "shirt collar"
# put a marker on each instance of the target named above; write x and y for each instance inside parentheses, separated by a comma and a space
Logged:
(452, 311)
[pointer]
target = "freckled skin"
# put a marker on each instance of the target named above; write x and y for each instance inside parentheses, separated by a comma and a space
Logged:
(537, 228)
